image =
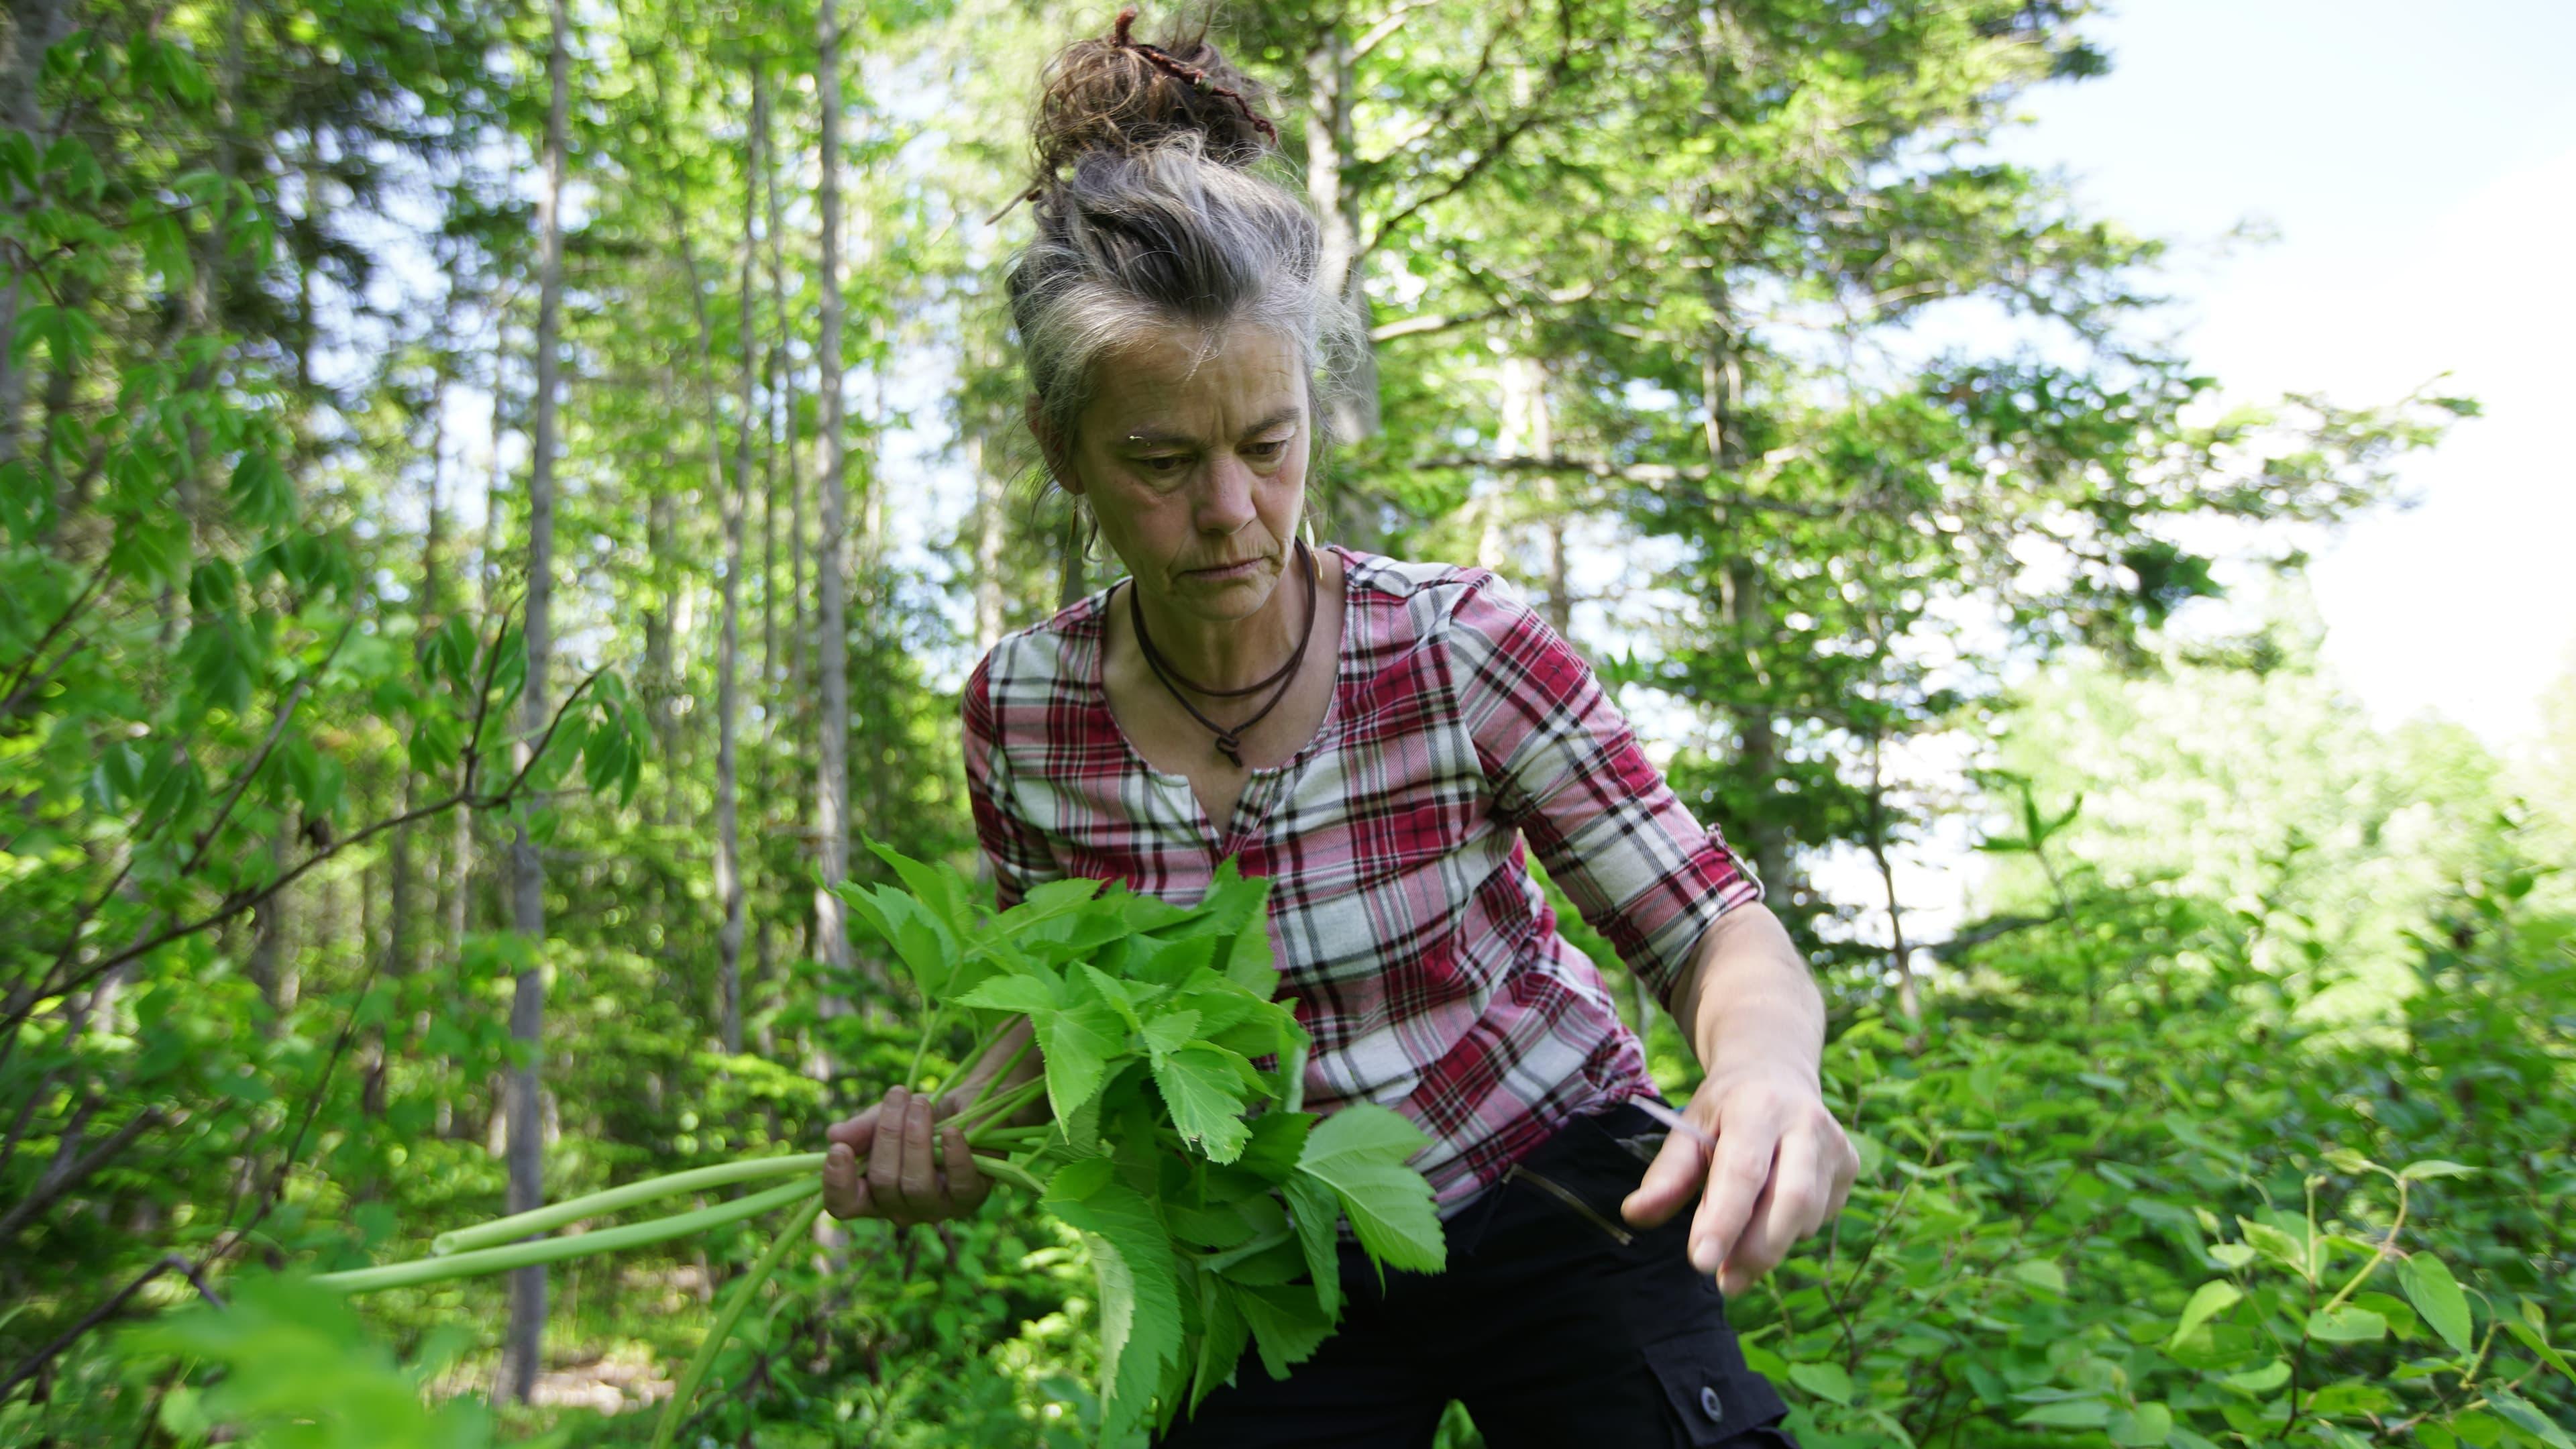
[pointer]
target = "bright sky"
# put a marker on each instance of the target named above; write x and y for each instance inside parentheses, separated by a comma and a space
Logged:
(2418, 165)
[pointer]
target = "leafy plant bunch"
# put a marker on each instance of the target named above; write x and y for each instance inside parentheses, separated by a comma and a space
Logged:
(1204, 1193)
(1202, 1189)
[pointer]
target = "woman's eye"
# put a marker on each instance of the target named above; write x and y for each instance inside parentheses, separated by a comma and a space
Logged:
(1269, 451)
(1163, 466)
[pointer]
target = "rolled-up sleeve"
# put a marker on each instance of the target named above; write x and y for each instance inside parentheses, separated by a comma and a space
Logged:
(1567, 771)
(1017, 849)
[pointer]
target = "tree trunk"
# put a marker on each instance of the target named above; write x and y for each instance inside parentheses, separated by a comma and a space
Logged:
(758, 182)
(1899, 955)
(728, 864)
(36, 26)
(1352, 415)
(989, 503)
(522, 1349)
(661, 674)
(832, 729)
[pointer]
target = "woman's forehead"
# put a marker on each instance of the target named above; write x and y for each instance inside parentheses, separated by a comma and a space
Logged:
(1183, 381)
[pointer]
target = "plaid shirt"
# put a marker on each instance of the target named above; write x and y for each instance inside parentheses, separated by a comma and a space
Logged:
(1408, 931)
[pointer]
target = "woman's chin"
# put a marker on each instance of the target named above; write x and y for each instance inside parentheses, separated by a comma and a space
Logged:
(1231, 595)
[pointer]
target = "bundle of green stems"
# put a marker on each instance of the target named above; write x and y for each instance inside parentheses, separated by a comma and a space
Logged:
(510, 1242)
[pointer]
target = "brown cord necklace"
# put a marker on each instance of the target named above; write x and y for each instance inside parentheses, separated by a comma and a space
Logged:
(1229, 738)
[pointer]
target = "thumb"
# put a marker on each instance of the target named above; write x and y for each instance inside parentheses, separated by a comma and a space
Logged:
(1672, 1180)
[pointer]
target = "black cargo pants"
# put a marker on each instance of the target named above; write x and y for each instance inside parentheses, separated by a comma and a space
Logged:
(1557, 1325)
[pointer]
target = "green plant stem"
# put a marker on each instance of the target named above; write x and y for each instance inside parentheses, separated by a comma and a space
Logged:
(2379, 1255)
(989, 1085)
(549, 1250)
(676, 1410)
(1012, 1173)
(599, 1204)
(921, 1048)
(975, 1054)
(997, 1111)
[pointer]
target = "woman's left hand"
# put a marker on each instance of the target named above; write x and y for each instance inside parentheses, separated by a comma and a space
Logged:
(1781, 1168)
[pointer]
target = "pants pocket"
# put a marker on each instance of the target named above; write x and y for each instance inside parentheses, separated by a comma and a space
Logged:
(1715, 1398)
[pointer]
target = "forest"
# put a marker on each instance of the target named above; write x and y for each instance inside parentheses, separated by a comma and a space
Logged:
(498, 503)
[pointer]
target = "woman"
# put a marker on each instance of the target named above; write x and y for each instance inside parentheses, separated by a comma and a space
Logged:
(1379, 739)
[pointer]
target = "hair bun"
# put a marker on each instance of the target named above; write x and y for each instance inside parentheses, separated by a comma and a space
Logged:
(1121, 95)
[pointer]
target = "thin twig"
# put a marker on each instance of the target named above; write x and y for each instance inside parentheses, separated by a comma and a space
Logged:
(9, 698)
(276, 732)
(243, 901)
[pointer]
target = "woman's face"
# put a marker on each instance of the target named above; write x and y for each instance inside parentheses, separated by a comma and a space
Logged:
(1195, 465)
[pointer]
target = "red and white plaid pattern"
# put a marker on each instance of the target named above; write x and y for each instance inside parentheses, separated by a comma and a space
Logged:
(1419, 951)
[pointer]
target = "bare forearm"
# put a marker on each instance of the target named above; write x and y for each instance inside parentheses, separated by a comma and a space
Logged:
(1748, 997)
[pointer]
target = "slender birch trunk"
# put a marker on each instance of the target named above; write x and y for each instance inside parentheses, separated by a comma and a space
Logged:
(524, 1344)
(832, 780)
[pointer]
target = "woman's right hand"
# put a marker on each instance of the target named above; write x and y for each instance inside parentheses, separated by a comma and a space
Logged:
(888, 1162)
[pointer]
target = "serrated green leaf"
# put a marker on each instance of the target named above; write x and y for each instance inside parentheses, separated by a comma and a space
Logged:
(1206, 1097)
(1140, 1305)
(1277, 1137)
(1362, 1152)
(1111, 993)
(925, 945)
(1317, 1212)
(1170, 1030)
(1159, 962)
(1026, 993)
(1079, 1043)
(1287, 1324)
(2428, 1284)
(1224, 1333)
(939, 888)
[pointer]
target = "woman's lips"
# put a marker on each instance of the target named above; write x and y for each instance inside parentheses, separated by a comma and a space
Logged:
(1221, 572)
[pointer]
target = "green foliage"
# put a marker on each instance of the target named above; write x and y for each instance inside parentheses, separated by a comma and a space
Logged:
(298, 1372)
(2171, 1210)
(1198, 1187)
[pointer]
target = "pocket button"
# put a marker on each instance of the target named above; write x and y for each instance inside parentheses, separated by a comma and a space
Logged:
(1710, 1405)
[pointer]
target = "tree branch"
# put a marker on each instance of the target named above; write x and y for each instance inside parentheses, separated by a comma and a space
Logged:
(63, 1178)
(26, 674)
(1418, 326)
(1651, 475)
(276, 731)
(239, 902)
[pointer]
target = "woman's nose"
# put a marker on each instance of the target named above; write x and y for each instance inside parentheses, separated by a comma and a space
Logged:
(1225, 502)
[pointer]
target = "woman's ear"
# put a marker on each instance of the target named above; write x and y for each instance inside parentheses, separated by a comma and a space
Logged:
(1052, 446)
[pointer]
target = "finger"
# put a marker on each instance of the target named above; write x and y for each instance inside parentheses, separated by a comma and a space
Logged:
(885, 1161)
(1670, 1181)
(1737, 1272)
(845, 1194)
(920, 1172)
(1787, 1211)
(967, 1185)
(1846, 1172)
(1735, 1179)
(857, 1132)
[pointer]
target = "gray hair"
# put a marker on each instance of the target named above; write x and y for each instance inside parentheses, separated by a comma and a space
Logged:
(1134, 242)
